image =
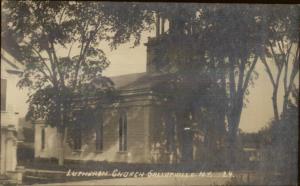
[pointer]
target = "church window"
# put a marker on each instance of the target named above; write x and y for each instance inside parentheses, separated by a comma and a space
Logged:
(99, 137)
(123, 133)
(77, 139)
(170, 133)
(43, 138)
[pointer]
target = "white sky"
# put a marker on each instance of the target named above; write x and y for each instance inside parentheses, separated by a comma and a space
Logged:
(255, 115)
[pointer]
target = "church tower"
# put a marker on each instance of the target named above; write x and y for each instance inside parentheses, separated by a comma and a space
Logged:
(177, 51)
(172, 43)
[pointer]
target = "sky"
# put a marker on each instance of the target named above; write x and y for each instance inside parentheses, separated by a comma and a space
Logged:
(257, 113)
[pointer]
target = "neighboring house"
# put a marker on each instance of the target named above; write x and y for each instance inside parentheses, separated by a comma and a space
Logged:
(251, 144)
(12, 108)
(252, 154)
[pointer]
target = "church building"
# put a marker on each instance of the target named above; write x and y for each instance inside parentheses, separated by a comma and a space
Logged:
(140, 128)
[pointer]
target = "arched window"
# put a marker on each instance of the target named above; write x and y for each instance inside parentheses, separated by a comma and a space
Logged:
(123, 133)
(43, 136)
(76, 131)
(170, 134)
(99, 136)
(77, 139)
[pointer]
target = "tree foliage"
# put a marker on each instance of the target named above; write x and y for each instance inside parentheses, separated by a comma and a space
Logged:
(60, 43)
(43, 31)
(60, 47)
(280, 144)
(282, 47)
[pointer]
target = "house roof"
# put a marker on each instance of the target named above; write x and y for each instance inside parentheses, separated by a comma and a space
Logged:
(9, 43)
(138, 80)
(11, 60)
(123, 81)
(146, 80)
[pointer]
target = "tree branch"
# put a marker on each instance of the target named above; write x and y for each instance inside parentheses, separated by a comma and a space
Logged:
(232, 88)
(294, 72)
(70, 50)
(81, 57)
(281, 48)
(241, 75)
(248, 75)
(61, 16)
(263, 59)
(52, 67)
(42, 60)
(286, 62)
(278, 75)
(57, 64)
(274, 55)
(77, 66)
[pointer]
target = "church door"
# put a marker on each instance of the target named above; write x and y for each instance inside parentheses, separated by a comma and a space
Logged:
(187, 145)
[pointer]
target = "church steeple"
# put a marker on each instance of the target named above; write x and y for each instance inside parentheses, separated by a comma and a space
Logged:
(160, 23)
(172, 33)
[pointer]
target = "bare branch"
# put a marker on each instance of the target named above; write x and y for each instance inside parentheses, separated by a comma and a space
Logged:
(231, 79)
(294, 72)
(42, 60)
(52, 67)
(241, 76)
(275, 57)
(278, 75)
(70, 50)
(61, 16)
(83, 53)
(51, 76)
(77, 66)
(263, 59)
(286, 62)
(281, 47)
(248, 75)
(57, 64)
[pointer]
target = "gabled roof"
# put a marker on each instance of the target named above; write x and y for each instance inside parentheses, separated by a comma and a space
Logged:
(123, 81)
(11, 60)
(137, 81)
(148, 81)
(9, 44)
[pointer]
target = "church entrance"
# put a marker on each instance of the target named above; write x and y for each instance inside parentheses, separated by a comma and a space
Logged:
(187, 146)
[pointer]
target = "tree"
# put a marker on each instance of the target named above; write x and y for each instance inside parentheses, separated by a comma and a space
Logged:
(56, 78)
(224, 43)
(280, 141)
(59, 44)
(232, 39)
(282, 46)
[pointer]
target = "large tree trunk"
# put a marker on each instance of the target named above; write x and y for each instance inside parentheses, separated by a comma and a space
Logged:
(275, 105)
(61, 148)
(233, 123)
(285, 104)
(62, 138)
